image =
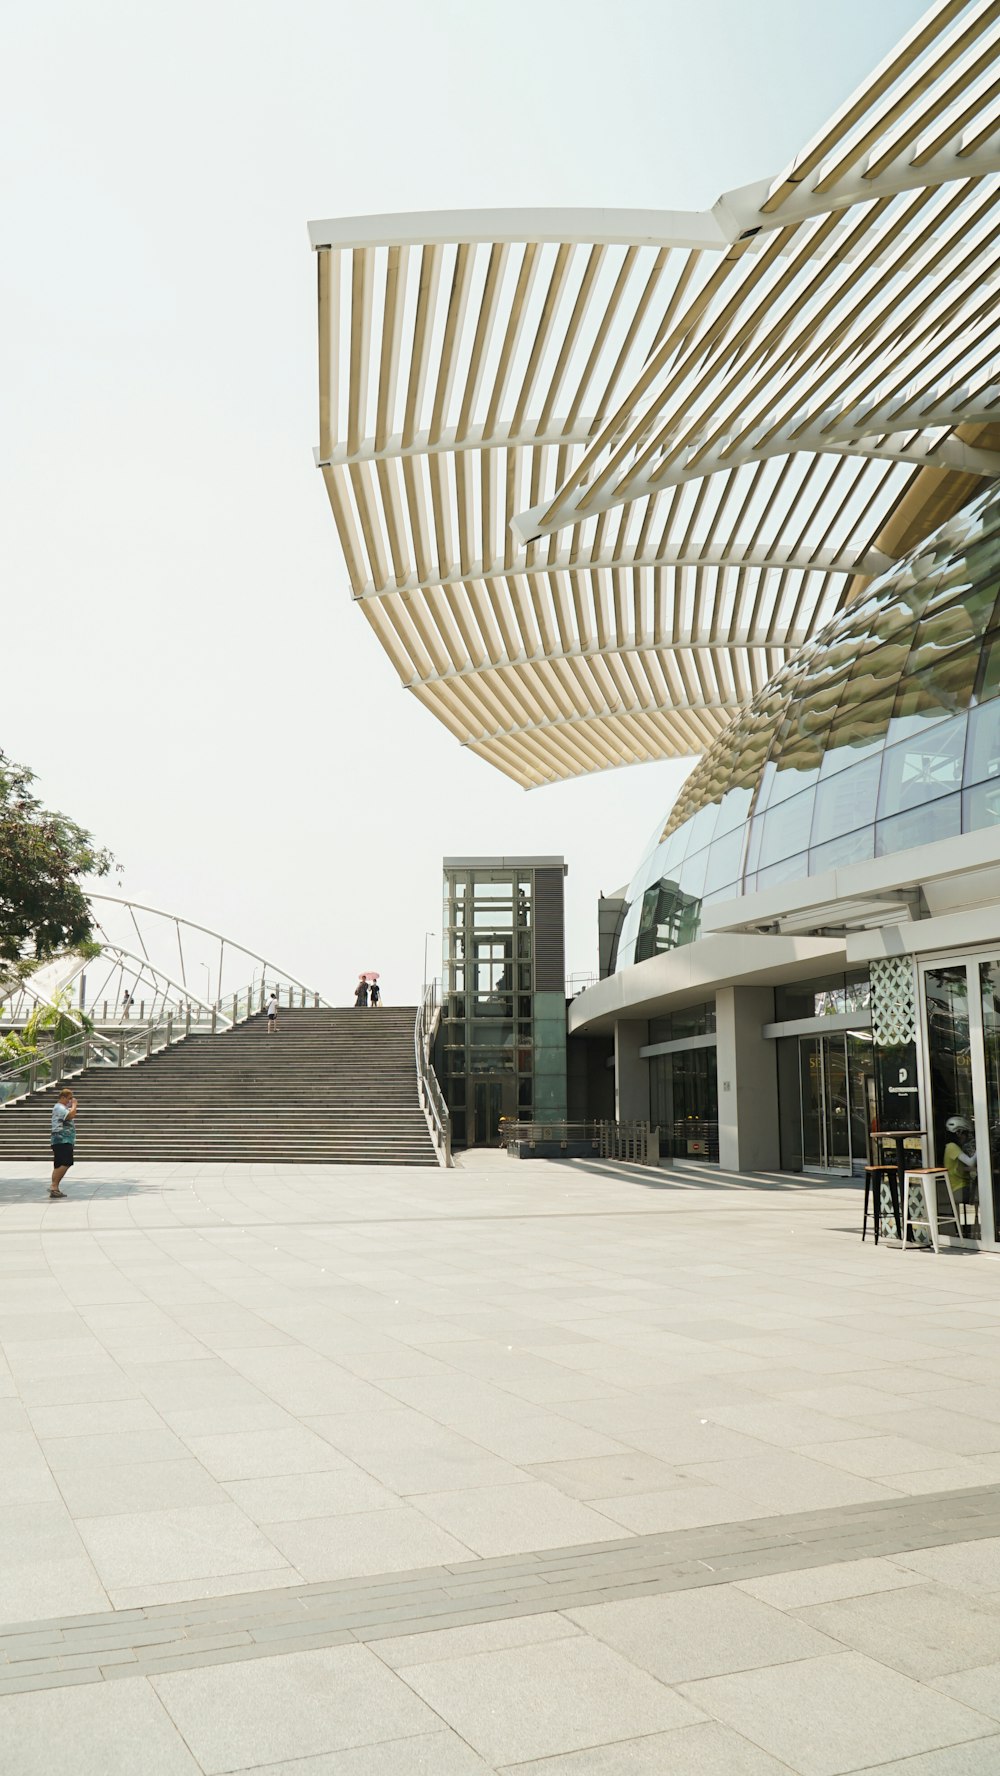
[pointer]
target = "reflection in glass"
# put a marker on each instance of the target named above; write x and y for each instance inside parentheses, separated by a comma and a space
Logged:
(989, 980)
(952, 1111)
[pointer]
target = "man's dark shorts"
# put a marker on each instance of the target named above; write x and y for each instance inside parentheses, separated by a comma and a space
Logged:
(62, 1153)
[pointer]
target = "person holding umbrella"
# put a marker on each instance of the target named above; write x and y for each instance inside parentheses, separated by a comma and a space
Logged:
(361, 993)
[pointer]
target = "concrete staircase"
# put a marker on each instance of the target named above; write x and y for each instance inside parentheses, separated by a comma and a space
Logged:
(331, 1087)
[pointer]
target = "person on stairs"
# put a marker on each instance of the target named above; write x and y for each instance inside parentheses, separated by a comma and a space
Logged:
(374, 995)
(272, 1014)
(63, 1138)
(361, 994)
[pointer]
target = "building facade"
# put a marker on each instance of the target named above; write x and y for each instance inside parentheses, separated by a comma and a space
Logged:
(810, 948)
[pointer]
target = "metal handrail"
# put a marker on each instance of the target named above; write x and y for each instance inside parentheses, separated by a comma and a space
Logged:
(632, 1141)
(65, 1060)
(431, 1096)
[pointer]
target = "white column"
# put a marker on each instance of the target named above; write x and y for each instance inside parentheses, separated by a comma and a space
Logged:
(748, 1080)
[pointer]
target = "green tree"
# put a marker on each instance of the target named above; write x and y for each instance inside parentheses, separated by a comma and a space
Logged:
(44, 858)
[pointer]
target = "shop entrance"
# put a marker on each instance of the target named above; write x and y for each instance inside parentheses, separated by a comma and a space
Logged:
(837, 1096)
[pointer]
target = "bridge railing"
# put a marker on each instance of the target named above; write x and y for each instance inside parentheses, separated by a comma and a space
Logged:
(91, 1048)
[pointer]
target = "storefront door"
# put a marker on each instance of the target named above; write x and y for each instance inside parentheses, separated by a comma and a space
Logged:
(961, 999)
(826, 1110)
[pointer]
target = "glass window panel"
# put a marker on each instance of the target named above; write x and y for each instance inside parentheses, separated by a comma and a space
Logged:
(855, 847)
(786, 829)
(692, 873)
(846, 800)
(733, 811)
(988, 684)
(723, 861)
(920, 826)
(923, 767)
(933, 695)
(790, 869)
(981, 806)
(858, 731)
(982, 753)
(949, 1052)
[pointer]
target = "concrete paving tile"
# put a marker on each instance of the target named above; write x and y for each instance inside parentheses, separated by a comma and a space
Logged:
(980, 1757)
(785, 1423)
(126, 1597)
(873, 1457)
(257, 1454)
(683, 1507)
(607, 1476)
(399, 1651)
(108, 1383)
(955, 1432)
(410, 1454)
(539, 1437)
(706, 1749)
(91, 1730)
(292, 1706)
(788, 1482)
(289, 1498)
(925, 1631)
(112, 1448)
(137, 1486)
(834, 1714)
(978, 1688)
(967, 1566)
(94, 1417)
(364, 1542)
(159, 1547)
(37, 1532)
(212, 1421)
(423, 1754)
(692, 1634)
(827, 1584)
(513, 1519)
(541, 1701)
(961, 1472)
(34, 1590)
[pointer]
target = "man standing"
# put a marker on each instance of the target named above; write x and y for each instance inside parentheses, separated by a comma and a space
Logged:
(63, 1138)
(272, 1014)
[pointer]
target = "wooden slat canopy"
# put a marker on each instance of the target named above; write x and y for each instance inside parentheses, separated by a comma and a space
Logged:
(596, 473)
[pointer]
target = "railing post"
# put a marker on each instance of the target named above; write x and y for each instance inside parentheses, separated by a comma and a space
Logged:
(170, 1028)
(187, 1019)
(214, 1018)
(121, 1052)
(149, 1040)
(235, 1006)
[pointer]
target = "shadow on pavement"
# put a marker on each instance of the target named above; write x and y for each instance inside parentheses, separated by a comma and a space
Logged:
(15, 1190)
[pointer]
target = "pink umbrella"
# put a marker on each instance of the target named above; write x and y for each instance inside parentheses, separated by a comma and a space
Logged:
(371, 974)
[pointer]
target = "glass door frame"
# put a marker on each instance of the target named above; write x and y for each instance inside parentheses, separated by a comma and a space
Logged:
(970, 960)
(823, 1111)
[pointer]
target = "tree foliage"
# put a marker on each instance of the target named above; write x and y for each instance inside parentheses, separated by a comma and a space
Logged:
(44, 858)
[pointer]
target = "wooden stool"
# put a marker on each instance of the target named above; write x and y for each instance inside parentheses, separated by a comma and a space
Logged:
(875, 1176)
(929, 1177)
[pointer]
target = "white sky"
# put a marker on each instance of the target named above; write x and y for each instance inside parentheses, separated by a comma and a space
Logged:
(182, 663)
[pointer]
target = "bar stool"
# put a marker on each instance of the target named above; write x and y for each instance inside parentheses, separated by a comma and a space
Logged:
(928, 1177)
(875, 1177)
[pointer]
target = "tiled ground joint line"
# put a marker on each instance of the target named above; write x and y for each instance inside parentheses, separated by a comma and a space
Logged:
(219, 1630)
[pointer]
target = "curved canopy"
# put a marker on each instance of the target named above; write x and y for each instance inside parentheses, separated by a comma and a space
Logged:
(597, 473)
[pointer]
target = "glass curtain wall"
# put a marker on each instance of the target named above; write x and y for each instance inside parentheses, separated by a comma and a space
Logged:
(952, 1134)
(882, 734)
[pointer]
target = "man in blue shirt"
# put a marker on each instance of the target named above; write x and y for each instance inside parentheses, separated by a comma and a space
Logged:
(63, 1138)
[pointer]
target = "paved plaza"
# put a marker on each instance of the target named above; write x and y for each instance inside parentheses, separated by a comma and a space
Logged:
(556, 1469)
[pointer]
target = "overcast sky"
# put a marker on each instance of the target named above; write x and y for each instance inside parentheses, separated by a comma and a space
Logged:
(182, 663)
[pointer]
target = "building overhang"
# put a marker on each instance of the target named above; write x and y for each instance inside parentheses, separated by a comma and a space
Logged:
(596, 474)
(695, 972)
